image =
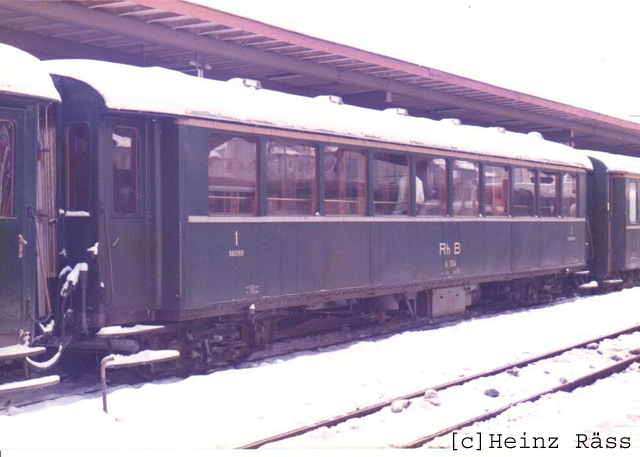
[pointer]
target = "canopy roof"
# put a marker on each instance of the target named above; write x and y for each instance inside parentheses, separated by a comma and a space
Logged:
(192, 37)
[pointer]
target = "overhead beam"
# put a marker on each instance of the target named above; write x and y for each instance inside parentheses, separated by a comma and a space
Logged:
(128, 27)
(60, 49)
(40, 45)
(370, 98)
(267, 84)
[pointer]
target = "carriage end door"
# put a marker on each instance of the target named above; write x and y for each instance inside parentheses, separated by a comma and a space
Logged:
(16, 241)
(127, 216)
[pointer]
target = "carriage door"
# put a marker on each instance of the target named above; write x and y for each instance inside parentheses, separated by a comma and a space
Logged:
(126, 206)
(15, 233)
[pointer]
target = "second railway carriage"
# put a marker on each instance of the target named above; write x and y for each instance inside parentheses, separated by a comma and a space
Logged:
(614, 195)
(216, 205)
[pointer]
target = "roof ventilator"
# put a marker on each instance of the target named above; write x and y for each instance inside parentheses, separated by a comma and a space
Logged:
(250, 83)
(451, 120)
(499, 129)
(537, 135)
(331, 98)
(398, 111)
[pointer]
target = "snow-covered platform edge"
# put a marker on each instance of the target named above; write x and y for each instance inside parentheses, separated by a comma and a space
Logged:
(142, 358)
(36, 383)
(117, 330)
(18, 351)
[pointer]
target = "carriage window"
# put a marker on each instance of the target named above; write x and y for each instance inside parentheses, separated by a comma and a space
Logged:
(549, 194)
(345, 181)
(431, 176)
(7, 145)
(291, 178)
(638, 199)
(633, 201)
(496, 191)
(78, 168)
(391, 184)
(570, 195)
(126, 191)
(465, 188)
(524, 192)
(232, 175)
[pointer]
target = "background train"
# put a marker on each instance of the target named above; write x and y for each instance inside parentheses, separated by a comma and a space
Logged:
(216, 214)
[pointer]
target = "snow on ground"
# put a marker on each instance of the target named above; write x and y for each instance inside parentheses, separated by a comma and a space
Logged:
(234, 407)
(609, 408)
(394, 427)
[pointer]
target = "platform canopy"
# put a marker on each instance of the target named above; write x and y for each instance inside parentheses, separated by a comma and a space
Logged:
(193, 38)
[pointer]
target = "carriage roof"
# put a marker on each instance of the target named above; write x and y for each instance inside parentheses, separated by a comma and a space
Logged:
(163, 91)
(616, 163)
(23, 74)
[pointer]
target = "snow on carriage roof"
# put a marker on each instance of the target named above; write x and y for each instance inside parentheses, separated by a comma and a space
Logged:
(23, 74)
(159, 90)
(616, 163)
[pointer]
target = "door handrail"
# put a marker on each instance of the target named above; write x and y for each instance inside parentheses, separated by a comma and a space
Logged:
(109, 261)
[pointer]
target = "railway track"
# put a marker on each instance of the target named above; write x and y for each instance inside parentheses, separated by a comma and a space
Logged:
(565, 385)
(569, 386)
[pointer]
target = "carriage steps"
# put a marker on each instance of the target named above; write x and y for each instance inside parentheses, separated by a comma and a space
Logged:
(121, 332)
(19, 351)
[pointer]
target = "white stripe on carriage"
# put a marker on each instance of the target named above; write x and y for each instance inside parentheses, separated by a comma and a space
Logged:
(399, 219)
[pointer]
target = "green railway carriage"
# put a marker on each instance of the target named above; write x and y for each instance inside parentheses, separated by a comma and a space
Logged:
(213, 201)
(614, 188)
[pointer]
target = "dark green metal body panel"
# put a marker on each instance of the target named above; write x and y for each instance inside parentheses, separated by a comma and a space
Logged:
(298, 259)
(17, 275)
(122, 278)
(626, 235)
(599, 216)
(616, 242)
(618, 223)
(176, 268)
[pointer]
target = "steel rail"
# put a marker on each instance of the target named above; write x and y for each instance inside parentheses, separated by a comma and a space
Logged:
(567, 387)
(368, 410)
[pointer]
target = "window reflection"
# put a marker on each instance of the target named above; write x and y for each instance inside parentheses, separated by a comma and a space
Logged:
(126, 192)
(78, 168)
(524, 192)
(232, 175)
(496, 190)
(6, 168)
(570, 195)
(432, 175)
(345, 181)
(465, 188)
(633, 197)
(291, 178)
(549, 194)
(391, 184)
